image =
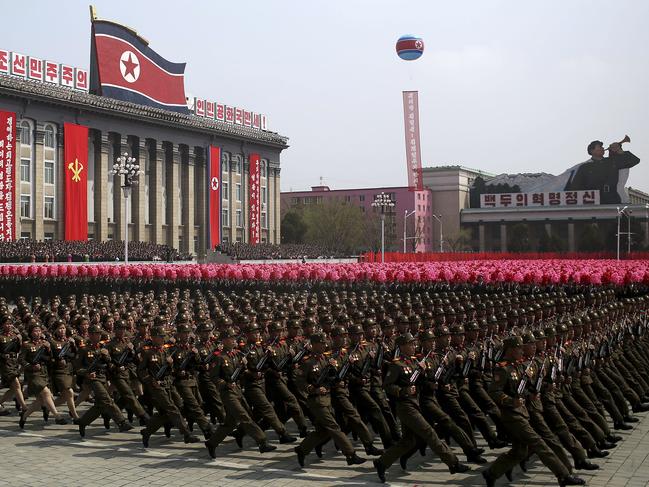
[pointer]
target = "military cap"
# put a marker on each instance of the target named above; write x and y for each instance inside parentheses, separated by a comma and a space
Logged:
(204, 326)
(355, 330)
(158, 331)
(309, 322)
(474, 326)
(368, 322)
(95, 329)
(414, 319)
(405, 338)
(539, 334)
(119, 325)
(426, 335)
(318, 338)
(326, 319)
(229, 333)
(528, 337)
(441, 331)
(252, 328)
(512, 341)
(276, 326)
(457, 329)
(183, 328)
(293, 324)
(386, 322)
(338, 331)
(550, 331)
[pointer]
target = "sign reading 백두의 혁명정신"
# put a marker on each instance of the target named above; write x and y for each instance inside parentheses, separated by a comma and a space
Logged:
(557, 198)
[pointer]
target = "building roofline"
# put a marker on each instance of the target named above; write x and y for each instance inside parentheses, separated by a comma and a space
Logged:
(458, 167)
(20, 88)
(380, 188)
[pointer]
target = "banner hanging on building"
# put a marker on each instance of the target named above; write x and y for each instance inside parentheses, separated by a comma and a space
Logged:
(76, 181)
(413, 146)
(124, 67)
(214, 199)
(7, 184)
(254, 180)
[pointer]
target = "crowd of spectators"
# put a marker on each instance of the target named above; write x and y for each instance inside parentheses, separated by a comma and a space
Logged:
(26, 250)
(266, 251)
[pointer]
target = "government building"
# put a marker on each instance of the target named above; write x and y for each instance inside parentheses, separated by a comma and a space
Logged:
(169, 205)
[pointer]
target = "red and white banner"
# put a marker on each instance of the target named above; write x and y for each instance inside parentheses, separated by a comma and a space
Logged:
(76, 181)
(253, 199)
(214, 198)
(7, 170)
(413, 145)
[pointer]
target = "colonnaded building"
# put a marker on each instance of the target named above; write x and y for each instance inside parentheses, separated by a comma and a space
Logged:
(171, 202)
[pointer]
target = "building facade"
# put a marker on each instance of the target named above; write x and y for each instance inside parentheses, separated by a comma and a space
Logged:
(170, 203)
(418, 205)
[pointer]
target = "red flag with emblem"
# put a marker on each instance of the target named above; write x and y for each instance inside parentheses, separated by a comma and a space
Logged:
(214, 190)
(76, 181)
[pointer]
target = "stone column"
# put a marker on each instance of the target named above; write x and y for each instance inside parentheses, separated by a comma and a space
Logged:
(277, 237)
(481, 237)
(200, 175)
(139, 200)
(173, 167)
(59, 180)
(571, 236)
(102, 143)
(188, 175)
(503, 237)
(39, 169)
(157, 155)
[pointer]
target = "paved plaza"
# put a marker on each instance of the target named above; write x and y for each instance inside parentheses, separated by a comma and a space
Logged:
(51, 455)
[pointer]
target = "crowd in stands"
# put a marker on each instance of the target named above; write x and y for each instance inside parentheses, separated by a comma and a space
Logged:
(26, 250)
(246, 251)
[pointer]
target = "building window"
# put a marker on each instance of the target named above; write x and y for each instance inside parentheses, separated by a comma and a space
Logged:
(237, 166)
(25, 235)
(225, 239)
(263, 195)
(361, 197)
(49, 172)
(25, 170)
(263, 169)
(238, 192)
(49, 236)
(264, 220)
(225, 190)
(195, 244)
(225, 215)
(225, 167)
(48, 207)
(348, 199)
(48, 140)
(25, 206)
(239, 219)
(25, 133)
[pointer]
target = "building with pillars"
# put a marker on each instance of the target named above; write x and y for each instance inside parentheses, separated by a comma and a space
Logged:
(169, 205)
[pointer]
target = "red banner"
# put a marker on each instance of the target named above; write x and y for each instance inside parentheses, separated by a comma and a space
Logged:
(214, 190)
(7, 186)
(76, 181)
(253, 200)
(413, 145)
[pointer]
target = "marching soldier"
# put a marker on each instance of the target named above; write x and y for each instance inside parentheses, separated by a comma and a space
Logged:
(400, 384)
(508, 391)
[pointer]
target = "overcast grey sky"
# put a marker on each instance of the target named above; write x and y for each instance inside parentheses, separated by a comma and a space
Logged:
(504, 86)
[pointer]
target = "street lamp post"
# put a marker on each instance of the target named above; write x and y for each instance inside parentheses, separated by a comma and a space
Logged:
(382, 201)
(405, 235)
(620, 212)
(126, 166)
(441, 238)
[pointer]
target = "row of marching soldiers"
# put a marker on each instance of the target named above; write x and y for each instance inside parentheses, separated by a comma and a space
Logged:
(549, 382)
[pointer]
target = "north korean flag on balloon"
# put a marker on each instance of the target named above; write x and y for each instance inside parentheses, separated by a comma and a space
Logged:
(124, 67)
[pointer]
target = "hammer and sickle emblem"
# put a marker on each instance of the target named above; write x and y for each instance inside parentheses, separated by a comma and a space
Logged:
(76, 167)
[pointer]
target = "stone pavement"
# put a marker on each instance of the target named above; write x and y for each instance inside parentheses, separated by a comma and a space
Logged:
(50, 455)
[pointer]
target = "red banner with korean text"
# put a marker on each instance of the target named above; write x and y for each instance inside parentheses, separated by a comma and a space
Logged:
(254, 180)
(76, 181)
(214, 191)
(7, 171)
(413, 145)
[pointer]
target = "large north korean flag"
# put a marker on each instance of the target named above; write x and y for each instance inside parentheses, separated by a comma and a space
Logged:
(124, 67)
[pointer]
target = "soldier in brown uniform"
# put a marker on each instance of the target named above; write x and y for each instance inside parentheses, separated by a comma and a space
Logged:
(318, 371)
(93, 361)
(122, 353)
(207, 345)
(35, 355)
(155, 372)
(62, 370)
(227, 367)
(400, 383)
(10, 343)
(508, 392)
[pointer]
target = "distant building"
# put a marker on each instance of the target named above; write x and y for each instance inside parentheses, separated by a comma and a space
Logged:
(406, 201)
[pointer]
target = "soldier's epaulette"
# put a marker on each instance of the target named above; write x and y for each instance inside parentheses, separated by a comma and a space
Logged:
(328, 352)
(503, 363)
(217, 353)
(396, 359)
